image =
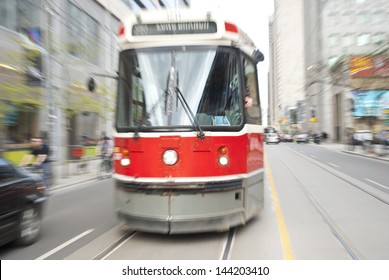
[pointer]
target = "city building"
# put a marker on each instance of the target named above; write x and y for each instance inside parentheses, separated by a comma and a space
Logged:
(355, 39)
(49, 50)
(287, 64)
(339, 49)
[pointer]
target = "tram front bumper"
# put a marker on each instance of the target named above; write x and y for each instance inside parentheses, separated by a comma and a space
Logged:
(178, 211)
(175, 226)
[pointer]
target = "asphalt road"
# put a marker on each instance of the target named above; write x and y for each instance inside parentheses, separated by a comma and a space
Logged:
(319, 204)
(330, 210)
(73, 217)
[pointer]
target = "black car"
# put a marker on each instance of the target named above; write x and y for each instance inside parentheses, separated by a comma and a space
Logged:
(22, 197)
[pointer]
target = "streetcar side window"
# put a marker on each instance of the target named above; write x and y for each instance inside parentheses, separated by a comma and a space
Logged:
(253, 110)
(131, 103)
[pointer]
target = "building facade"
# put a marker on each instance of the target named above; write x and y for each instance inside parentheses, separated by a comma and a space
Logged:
(50, 50)
(341, 39)
(287, 75)
(355, 39)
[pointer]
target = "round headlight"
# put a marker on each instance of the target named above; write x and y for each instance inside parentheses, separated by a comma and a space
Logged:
(125, 161)
(223, 160)
(170, 157)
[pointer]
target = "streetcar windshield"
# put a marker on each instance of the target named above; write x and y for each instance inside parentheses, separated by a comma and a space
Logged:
(151, 81)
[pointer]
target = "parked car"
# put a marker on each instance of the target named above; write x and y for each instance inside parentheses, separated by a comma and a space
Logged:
(22, 199)
(272, 138)
(287, 138)
(382, 138)
(363, 137)
(302, 138)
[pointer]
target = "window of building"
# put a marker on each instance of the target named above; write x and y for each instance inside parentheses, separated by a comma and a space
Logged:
(20, 122)
(378, 17)
(348, 40)
(92, 40)
(333, 40)
(378, 38)
(363, 39)
(362, 17)
(83, 35)
(8, 14)
(347, 18)
(333, 18)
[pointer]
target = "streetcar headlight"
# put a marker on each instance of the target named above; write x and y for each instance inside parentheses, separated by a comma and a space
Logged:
(223, 155)
(223, 160)
(125, 161)
(170, 157)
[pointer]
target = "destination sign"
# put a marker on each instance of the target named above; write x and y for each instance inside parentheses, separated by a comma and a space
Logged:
(197, 27)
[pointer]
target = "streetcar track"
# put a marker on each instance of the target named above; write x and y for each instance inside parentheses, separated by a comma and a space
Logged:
(227, 248)
(378, 184)
(345, 242)
(333, 164)
(112, 247)
(344, 177)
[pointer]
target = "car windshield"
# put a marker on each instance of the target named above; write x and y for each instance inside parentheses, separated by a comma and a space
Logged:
(152, 81)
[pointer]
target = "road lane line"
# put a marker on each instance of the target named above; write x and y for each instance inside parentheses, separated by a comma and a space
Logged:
(285, 242)
(67, 243)
(378, 184)
(333, 164)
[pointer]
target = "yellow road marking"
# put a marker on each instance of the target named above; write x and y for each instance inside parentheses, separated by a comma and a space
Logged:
(285, 242)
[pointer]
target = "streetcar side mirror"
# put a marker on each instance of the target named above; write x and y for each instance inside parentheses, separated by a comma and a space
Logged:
(91, 84)
(258, 56)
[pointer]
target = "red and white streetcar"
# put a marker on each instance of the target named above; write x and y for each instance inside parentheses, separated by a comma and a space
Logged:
(189, 141)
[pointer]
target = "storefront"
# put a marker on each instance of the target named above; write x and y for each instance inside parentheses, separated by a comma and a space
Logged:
(369, 101)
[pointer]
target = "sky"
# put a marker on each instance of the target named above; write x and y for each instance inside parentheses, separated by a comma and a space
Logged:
(252, 16)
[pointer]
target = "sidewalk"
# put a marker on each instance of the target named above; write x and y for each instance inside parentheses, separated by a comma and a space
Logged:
(376, 152)
(70, 173)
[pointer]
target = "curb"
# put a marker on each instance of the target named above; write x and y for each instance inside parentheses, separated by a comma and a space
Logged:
(366, 155)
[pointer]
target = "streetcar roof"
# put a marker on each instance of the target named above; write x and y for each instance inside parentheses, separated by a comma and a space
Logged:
(152, 28)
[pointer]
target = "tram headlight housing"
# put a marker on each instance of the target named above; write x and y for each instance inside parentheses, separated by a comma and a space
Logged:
(125, 161)
(170, 157)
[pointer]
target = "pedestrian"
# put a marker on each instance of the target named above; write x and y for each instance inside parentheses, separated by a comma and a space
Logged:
(105, 149)
(38, 159)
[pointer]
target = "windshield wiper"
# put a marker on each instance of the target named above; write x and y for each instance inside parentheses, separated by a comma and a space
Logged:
(188, 111)
(147, 116)
(172, 87)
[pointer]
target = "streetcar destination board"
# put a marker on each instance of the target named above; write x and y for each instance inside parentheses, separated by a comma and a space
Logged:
(197, 27)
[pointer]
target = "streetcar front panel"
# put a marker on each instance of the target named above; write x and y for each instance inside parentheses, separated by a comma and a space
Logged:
(189, 142)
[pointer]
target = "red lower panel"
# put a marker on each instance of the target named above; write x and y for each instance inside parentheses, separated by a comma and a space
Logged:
(196, 158)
